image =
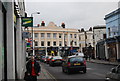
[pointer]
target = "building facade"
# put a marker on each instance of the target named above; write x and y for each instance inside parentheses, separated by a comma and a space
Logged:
(113, 35)
(86, 41)
(56, 37)
(12, 62)
(99, 33)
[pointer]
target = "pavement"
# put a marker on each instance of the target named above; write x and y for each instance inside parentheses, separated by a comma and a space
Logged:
(45, 75)
(103, 62)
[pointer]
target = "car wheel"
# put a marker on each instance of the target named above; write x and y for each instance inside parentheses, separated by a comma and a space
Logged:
(84, 71)
(68, 71)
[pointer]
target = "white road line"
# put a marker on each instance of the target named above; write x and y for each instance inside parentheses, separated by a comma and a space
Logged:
(89, 69)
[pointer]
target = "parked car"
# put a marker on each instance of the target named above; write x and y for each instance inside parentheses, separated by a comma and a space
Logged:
(48, 59)
(55, 60)
(114, 75)
(42, 58)
(74, 63)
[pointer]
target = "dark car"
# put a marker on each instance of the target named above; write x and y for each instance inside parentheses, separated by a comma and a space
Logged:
(114, 75)
(74, 63)
(55, 60)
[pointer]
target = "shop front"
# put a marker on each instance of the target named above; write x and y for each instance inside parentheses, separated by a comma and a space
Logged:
(112, 49)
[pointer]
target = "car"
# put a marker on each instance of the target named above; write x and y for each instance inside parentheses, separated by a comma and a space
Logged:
(42, 58)
(114, 74)
(74, 63)
(48, 59)
(55, 60)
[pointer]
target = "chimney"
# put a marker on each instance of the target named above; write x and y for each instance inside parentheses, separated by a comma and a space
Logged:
(63, 25)
(38, 25)
(43, 23)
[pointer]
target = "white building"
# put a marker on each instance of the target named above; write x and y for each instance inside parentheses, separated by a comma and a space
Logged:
(86, 39)
(55, 36)
(99, 33)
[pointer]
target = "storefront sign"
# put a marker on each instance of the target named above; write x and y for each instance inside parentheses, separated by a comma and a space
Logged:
(27, 21)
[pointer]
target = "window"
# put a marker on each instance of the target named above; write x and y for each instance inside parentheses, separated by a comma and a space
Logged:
(48, 35)
(36, 34)
(75, 43)
(104, 36)
(60, 35)
(36, 43)
(54, 43)
(70, 35)
(65, 35)
(48, 43)
(54, 35)
(60, 43)
(42, 43)
(75, 36)
(42, 35)
(109, 32)
(79, 38)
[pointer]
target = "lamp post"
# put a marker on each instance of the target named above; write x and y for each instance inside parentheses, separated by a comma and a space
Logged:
(33, 34)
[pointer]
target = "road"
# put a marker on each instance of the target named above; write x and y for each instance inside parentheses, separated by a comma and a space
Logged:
(94, 71)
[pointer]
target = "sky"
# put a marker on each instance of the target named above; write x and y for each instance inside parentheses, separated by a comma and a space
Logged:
(75, 14)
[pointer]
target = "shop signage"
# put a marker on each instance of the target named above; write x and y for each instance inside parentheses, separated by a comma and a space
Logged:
(27, 21)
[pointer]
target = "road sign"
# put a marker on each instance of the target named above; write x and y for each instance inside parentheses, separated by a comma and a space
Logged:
(27, 21)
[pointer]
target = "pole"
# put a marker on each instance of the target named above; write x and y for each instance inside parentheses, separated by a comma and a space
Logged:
(32, 38)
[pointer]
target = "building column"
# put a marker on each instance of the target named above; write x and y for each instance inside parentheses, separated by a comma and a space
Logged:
(68, 39)
(63, 37)
(118, 50)
(20, 51)
(10, 41)
(106, 51)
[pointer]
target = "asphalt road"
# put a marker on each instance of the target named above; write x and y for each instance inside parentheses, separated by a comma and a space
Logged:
(94, 71)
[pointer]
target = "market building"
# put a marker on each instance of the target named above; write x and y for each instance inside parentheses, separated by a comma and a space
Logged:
(53, 37)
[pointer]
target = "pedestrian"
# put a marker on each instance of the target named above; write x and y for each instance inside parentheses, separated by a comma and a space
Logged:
(33, 69)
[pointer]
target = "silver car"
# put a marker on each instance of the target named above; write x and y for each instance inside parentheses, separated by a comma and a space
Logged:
(114, 75)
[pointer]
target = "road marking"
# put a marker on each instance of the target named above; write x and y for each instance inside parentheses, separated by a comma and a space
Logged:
(42, 66)
(51, 76)
(89, 69)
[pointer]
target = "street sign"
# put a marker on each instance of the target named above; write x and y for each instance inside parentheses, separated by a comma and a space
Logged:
(27, 21)
(26, 35)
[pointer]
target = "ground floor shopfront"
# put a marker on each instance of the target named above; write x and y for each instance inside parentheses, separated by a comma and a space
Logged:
(62, 51)
(109, 49)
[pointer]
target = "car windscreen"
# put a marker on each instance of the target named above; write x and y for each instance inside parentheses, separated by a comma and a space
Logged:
(57, 57)
(76, 59)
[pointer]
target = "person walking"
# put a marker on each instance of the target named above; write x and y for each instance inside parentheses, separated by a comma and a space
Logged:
(33, 69)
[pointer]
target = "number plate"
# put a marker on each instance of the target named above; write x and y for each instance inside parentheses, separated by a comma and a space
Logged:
(77, 64)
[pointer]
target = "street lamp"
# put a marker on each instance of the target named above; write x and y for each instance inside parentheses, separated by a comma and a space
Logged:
(33, 34)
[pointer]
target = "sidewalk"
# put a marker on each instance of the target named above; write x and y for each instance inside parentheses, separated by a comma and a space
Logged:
(103, 62)
(45, 75)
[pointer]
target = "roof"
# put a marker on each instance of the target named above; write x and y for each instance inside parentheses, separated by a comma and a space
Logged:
(112, 13)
